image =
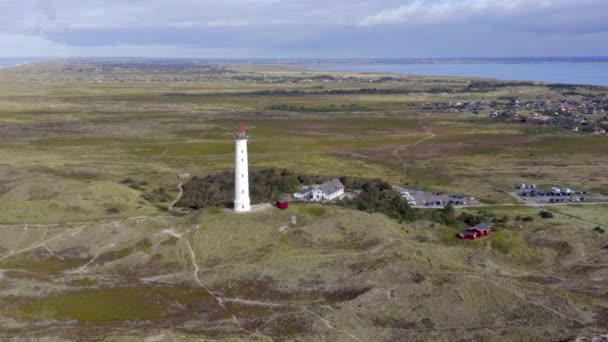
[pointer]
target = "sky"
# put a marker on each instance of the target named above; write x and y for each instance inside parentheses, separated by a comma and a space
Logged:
(303, 28)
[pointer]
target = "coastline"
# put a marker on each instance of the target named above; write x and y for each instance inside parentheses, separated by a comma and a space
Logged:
(584, 74)
(15, 65)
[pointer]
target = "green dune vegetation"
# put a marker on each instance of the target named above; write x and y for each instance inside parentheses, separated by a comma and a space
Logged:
(115, 177)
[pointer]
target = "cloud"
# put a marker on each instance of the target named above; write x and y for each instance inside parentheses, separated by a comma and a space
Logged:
(448, 11)
(317, 28)
(19, 45)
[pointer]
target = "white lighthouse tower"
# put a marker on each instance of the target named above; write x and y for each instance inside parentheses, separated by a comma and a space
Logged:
(242, 203)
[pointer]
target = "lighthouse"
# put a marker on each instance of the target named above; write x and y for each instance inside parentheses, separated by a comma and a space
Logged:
(242, 203)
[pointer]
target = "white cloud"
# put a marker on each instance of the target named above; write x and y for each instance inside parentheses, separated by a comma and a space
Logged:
(349, 28)
(31, 16)
(442, 11)
(21, 45)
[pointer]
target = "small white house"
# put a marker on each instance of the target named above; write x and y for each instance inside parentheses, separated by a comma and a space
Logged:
(304, 194)
(321, 193)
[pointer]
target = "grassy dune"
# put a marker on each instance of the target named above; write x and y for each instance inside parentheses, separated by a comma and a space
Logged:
(282, 277)
(83, 145)
(55, 116)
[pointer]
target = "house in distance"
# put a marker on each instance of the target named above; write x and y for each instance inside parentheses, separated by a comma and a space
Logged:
(325, 192)
(476, 232)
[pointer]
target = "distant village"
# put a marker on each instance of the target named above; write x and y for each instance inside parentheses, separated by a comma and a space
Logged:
(588, 115)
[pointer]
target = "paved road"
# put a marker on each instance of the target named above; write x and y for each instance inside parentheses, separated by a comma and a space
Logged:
(533, 205)
(520, 202)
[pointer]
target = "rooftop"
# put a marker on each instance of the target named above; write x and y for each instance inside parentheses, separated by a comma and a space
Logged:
(483, 226)
(330, 187)
(240, 134)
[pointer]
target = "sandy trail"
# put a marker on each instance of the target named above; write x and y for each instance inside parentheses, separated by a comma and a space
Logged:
(83, 268)
(180, 186)
(71, 232)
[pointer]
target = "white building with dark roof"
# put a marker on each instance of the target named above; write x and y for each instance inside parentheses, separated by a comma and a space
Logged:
(304, 194)
(327, 191)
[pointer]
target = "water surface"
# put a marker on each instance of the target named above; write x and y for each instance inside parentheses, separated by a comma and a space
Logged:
(595, 73)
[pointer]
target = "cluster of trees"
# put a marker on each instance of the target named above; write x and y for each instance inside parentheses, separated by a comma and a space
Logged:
(159, 195)
(447, 216)
(485, 86)
(439, 90)
(218, 189)
(297, 92)
(577, 93)
(270, 184)
(569, 87)
(379, 197)
(362, 91)
(316, 109)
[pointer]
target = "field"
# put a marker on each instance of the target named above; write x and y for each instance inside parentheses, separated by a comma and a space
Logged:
(85, 256)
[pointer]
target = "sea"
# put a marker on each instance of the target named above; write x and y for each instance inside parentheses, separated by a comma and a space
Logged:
(587, 71)
(9, 62)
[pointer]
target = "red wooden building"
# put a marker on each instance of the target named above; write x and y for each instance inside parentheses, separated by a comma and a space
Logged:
(474, 233)
(282, 205)
(482, 229)
(468, 235)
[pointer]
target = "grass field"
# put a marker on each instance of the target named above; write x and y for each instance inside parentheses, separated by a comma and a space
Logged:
(84, 256)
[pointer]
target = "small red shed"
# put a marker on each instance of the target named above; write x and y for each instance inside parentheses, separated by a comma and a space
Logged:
(468, 235)
(282, 205)
(482, 229)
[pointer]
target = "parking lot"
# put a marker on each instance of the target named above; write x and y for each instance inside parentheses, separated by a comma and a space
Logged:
(531, 194)
(434, 199)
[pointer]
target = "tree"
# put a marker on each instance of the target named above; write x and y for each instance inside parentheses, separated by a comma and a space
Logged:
(546, 214)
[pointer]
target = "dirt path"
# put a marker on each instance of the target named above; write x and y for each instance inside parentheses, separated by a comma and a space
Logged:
(221, 300)
(43, 243)
(161, 277)
(157, 218)
(198, 280)
(331, 327)
(531, 205)
(403, 147)
(83, 268)
(523, 298)
(578, 218)
(397, 152)
(180, 186)
(197, 269)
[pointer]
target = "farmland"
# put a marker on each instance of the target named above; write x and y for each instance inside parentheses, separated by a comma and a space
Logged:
(83, 142)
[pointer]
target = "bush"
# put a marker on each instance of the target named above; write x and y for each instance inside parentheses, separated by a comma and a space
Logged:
(378, 196)
(501, 220)
(546, 214)
(159, 195)
(136, 187)
(218, 189)
(270, 185)
(500, 247)
(599, 230)
(528, 219)
(112, 210)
